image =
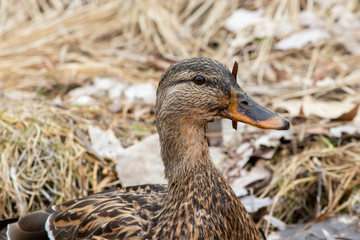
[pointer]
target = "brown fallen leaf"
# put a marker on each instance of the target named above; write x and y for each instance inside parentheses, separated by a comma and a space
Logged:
(349, 116)
(345, 110)
(327, 109)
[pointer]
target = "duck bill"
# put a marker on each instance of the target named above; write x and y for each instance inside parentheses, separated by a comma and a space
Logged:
(244, 109)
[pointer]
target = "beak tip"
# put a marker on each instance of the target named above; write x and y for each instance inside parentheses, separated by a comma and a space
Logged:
(285, 124)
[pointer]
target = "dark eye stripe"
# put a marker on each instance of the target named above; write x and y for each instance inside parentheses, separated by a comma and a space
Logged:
(177, 82)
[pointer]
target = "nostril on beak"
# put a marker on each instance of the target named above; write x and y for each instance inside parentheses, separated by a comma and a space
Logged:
(242, 98)
(244, 102)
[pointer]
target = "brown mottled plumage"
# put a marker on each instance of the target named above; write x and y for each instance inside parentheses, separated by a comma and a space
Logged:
(197, 203)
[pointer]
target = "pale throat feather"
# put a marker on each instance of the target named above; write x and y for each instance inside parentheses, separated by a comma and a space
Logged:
(184, 149)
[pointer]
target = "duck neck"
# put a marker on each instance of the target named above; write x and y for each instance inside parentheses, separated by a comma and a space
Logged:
(184, 148)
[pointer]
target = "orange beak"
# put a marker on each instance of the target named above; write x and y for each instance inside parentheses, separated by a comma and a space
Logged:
(244, 109)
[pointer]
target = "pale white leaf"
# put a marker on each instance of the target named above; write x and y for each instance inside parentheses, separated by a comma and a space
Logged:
(104, 142)
(293, 107)
(229, 135)
(272, 138)
(18, 95)
(253, 204)
(243, 18)
(356, 205)
(311, 20)
(275, 222)
(244, 151)
(269, 28)
(141, 163)
(82, 95)
(339, 130)
(337, 227)
(326, 82)
(101, 83)
(81, 91)
(258, 172)
(144, 91)
(300, 39)
(83, 100)
(117, 90)
(217, 155)
(240, 191)
(327, 235)
(327, 109)
(346, 28)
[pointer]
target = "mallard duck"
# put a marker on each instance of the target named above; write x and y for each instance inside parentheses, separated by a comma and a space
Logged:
(197, 203)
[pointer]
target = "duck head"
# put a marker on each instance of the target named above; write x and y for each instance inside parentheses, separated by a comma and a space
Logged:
(202, 89)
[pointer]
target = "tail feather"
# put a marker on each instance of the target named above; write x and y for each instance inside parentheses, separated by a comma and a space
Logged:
(3, 227)
(28, 227)
(4, 223)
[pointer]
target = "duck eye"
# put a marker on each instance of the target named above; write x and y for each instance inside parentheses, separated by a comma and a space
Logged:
(198, 79)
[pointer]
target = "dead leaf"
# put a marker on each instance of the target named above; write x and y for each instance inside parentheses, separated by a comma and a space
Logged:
(144, 91)
(293, 107)
(243, 18)
(229, 135)
(244, 151)
(275, 222)
(272, 138)
(341, 227)
(141, 163)
(258, 172)
(317, 130)
(310, 19)
(327, 109)
(83, 101)
(349, 116)
(104, 142)
(19, 95)
(300, 39)
(253, 204)
(217, 155)
(346, 28)
(349, 129)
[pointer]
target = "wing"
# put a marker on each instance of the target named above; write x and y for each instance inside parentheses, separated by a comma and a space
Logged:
(116, 214)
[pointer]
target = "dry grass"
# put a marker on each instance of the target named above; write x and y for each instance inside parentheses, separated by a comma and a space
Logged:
(315, 184)
(50, 47)
(73, 39)
(44, 162)
(46, 157)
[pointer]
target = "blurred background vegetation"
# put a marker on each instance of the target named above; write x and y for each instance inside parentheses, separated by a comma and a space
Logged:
(68, 65)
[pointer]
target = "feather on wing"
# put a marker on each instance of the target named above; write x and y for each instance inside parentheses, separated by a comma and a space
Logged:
(117, 214)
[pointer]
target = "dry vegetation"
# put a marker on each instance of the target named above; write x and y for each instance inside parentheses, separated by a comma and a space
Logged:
(49, 47)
